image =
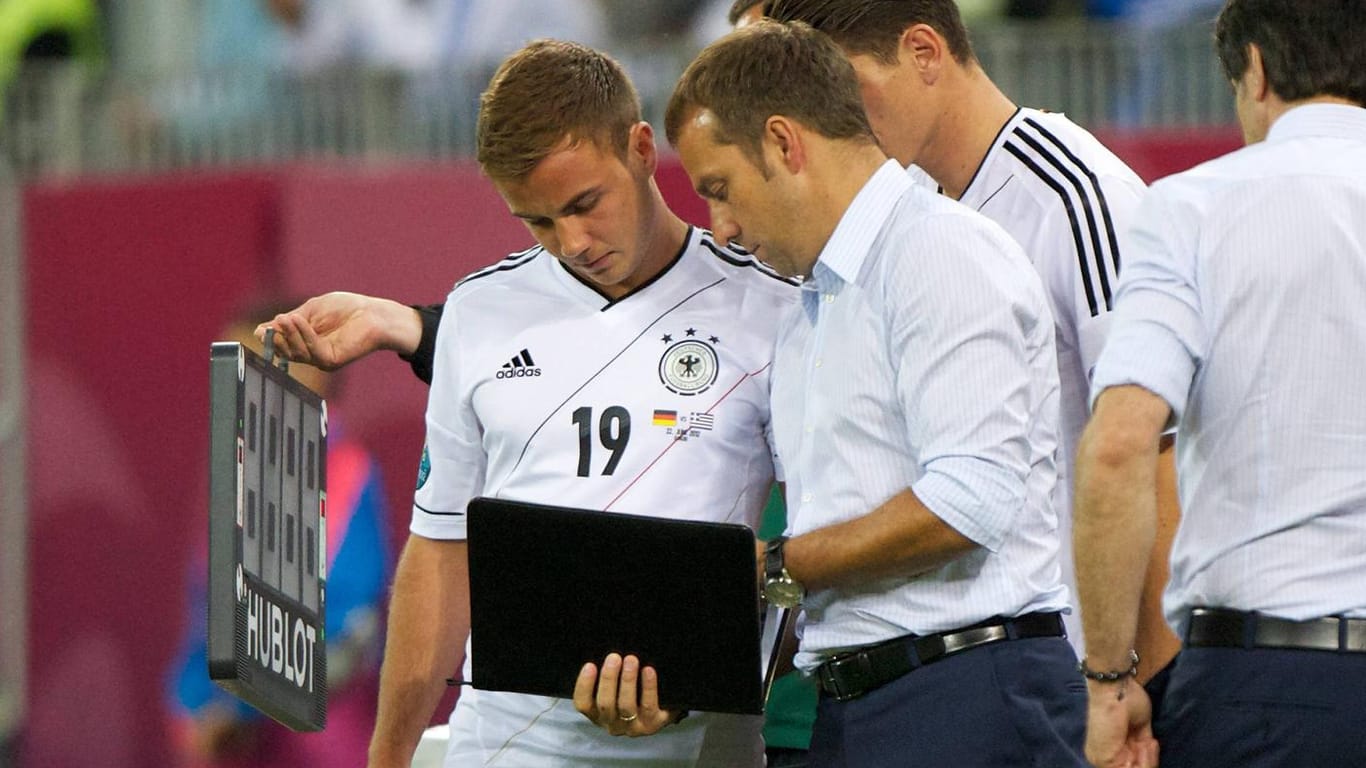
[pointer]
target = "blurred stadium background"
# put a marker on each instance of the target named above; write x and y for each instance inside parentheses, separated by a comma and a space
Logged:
(164, 161)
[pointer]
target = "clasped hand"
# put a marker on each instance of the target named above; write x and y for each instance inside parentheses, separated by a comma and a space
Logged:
(1119, 727)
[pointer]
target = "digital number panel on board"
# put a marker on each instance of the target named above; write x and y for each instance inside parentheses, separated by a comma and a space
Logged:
(267, 538)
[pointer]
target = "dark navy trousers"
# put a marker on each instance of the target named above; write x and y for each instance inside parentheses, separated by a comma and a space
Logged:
(1015, 703)
(1259, 708)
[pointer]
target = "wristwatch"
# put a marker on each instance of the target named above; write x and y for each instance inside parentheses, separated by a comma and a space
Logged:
(780, 588)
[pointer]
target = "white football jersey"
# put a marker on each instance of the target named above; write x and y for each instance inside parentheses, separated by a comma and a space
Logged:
(1067, 200)
(653, 404)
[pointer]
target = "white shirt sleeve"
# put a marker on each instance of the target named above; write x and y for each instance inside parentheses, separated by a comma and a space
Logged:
(454, 459)
(956, 338)
(1159, 338)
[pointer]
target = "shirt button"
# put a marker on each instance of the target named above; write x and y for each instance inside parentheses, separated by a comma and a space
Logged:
(806, 497)
(818, 363)
(809, 430)
(829, 297)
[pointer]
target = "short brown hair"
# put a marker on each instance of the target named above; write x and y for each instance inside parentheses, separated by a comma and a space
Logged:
(1309, 47)
(874, 27)
(546, 92)
(770, 69)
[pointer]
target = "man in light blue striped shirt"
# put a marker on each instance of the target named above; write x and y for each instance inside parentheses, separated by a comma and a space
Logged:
(915, 407)
(1240, 318)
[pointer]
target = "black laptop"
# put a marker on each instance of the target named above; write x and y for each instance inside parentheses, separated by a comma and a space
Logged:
(552, 588)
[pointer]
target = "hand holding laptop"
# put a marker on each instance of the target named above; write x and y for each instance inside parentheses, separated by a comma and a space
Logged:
(611, 702)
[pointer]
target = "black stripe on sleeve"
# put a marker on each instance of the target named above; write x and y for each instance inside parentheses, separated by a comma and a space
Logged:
(1095, 184)
(512, 262)
(1071, 217)
(1096, 249)
(733, 258)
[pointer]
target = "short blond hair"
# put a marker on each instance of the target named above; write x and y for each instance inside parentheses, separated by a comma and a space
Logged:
(545, 93)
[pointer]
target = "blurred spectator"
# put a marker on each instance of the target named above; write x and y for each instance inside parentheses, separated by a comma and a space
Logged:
(235, 33)
(634, 23)
(471, 38)
(1154, 13)
(238, 49)
(1161, 66)
(283, 78)
(480, 33)
(391, 34)
(978, 11)
(41, 30)
(213, 728)
(717, 17)
(1030, 9)
(34, 33)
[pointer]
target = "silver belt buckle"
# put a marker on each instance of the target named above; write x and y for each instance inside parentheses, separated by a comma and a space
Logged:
(971, 638)
(853, 663)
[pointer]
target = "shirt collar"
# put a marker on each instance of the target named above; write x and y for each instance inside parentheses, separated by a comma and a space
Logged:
(1332, 120)
(861, 223)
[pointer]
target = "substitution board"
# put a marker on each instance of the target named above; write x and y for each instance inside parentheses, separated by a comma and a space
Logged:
(267, 537)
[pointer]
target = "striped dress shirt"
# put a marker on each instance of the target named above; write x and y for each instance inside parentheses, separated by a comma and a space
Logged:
(1241, 305)
(922, 357)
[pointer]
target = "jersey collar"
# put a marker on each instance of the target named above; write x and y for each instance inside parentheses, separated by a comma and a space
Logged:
(589, 292)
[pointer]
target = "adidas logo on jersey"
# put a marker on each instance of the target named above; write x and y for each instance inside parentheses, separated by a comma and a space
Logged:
(520, 366)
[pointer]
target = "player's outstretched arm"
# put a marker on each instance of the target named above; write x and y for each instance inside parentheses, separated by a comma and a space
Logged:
(334, 329)
(429, 618)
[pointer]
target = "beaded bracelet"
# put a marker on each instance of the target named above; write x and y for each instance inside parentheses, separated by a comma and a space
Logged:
(1113, 675)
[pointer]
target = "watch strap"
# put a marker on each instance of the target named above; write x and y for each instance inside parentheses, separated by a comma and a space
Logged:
(773, 558)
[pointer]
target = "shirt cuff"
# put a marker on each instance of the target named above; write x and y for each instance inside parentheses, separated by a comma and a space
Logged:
(1148, 356)
(972, 503)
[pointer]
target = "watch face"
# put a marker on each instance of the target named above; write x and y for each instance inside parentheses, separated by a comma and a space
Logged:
(784, 593)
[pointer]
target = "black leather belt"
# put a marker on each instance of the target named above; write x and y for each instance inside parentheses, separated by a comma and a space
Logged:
(1224, 628)
(852, 674)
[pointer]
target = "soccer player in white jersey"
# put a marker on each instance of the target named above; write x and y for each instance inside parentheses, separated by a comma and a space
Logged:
(1049, 183)
(622, 364)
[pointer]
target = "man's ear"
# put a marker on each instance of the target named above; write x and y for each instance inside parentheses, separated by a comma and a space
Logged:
(1254, 79)
(640, 147)
(924, 50)
(782, 143)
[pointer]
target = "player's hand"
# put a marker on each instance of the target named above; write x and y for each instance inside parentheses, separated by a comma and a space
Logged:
(611, 701)
(1119, 730)
(337, 328)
